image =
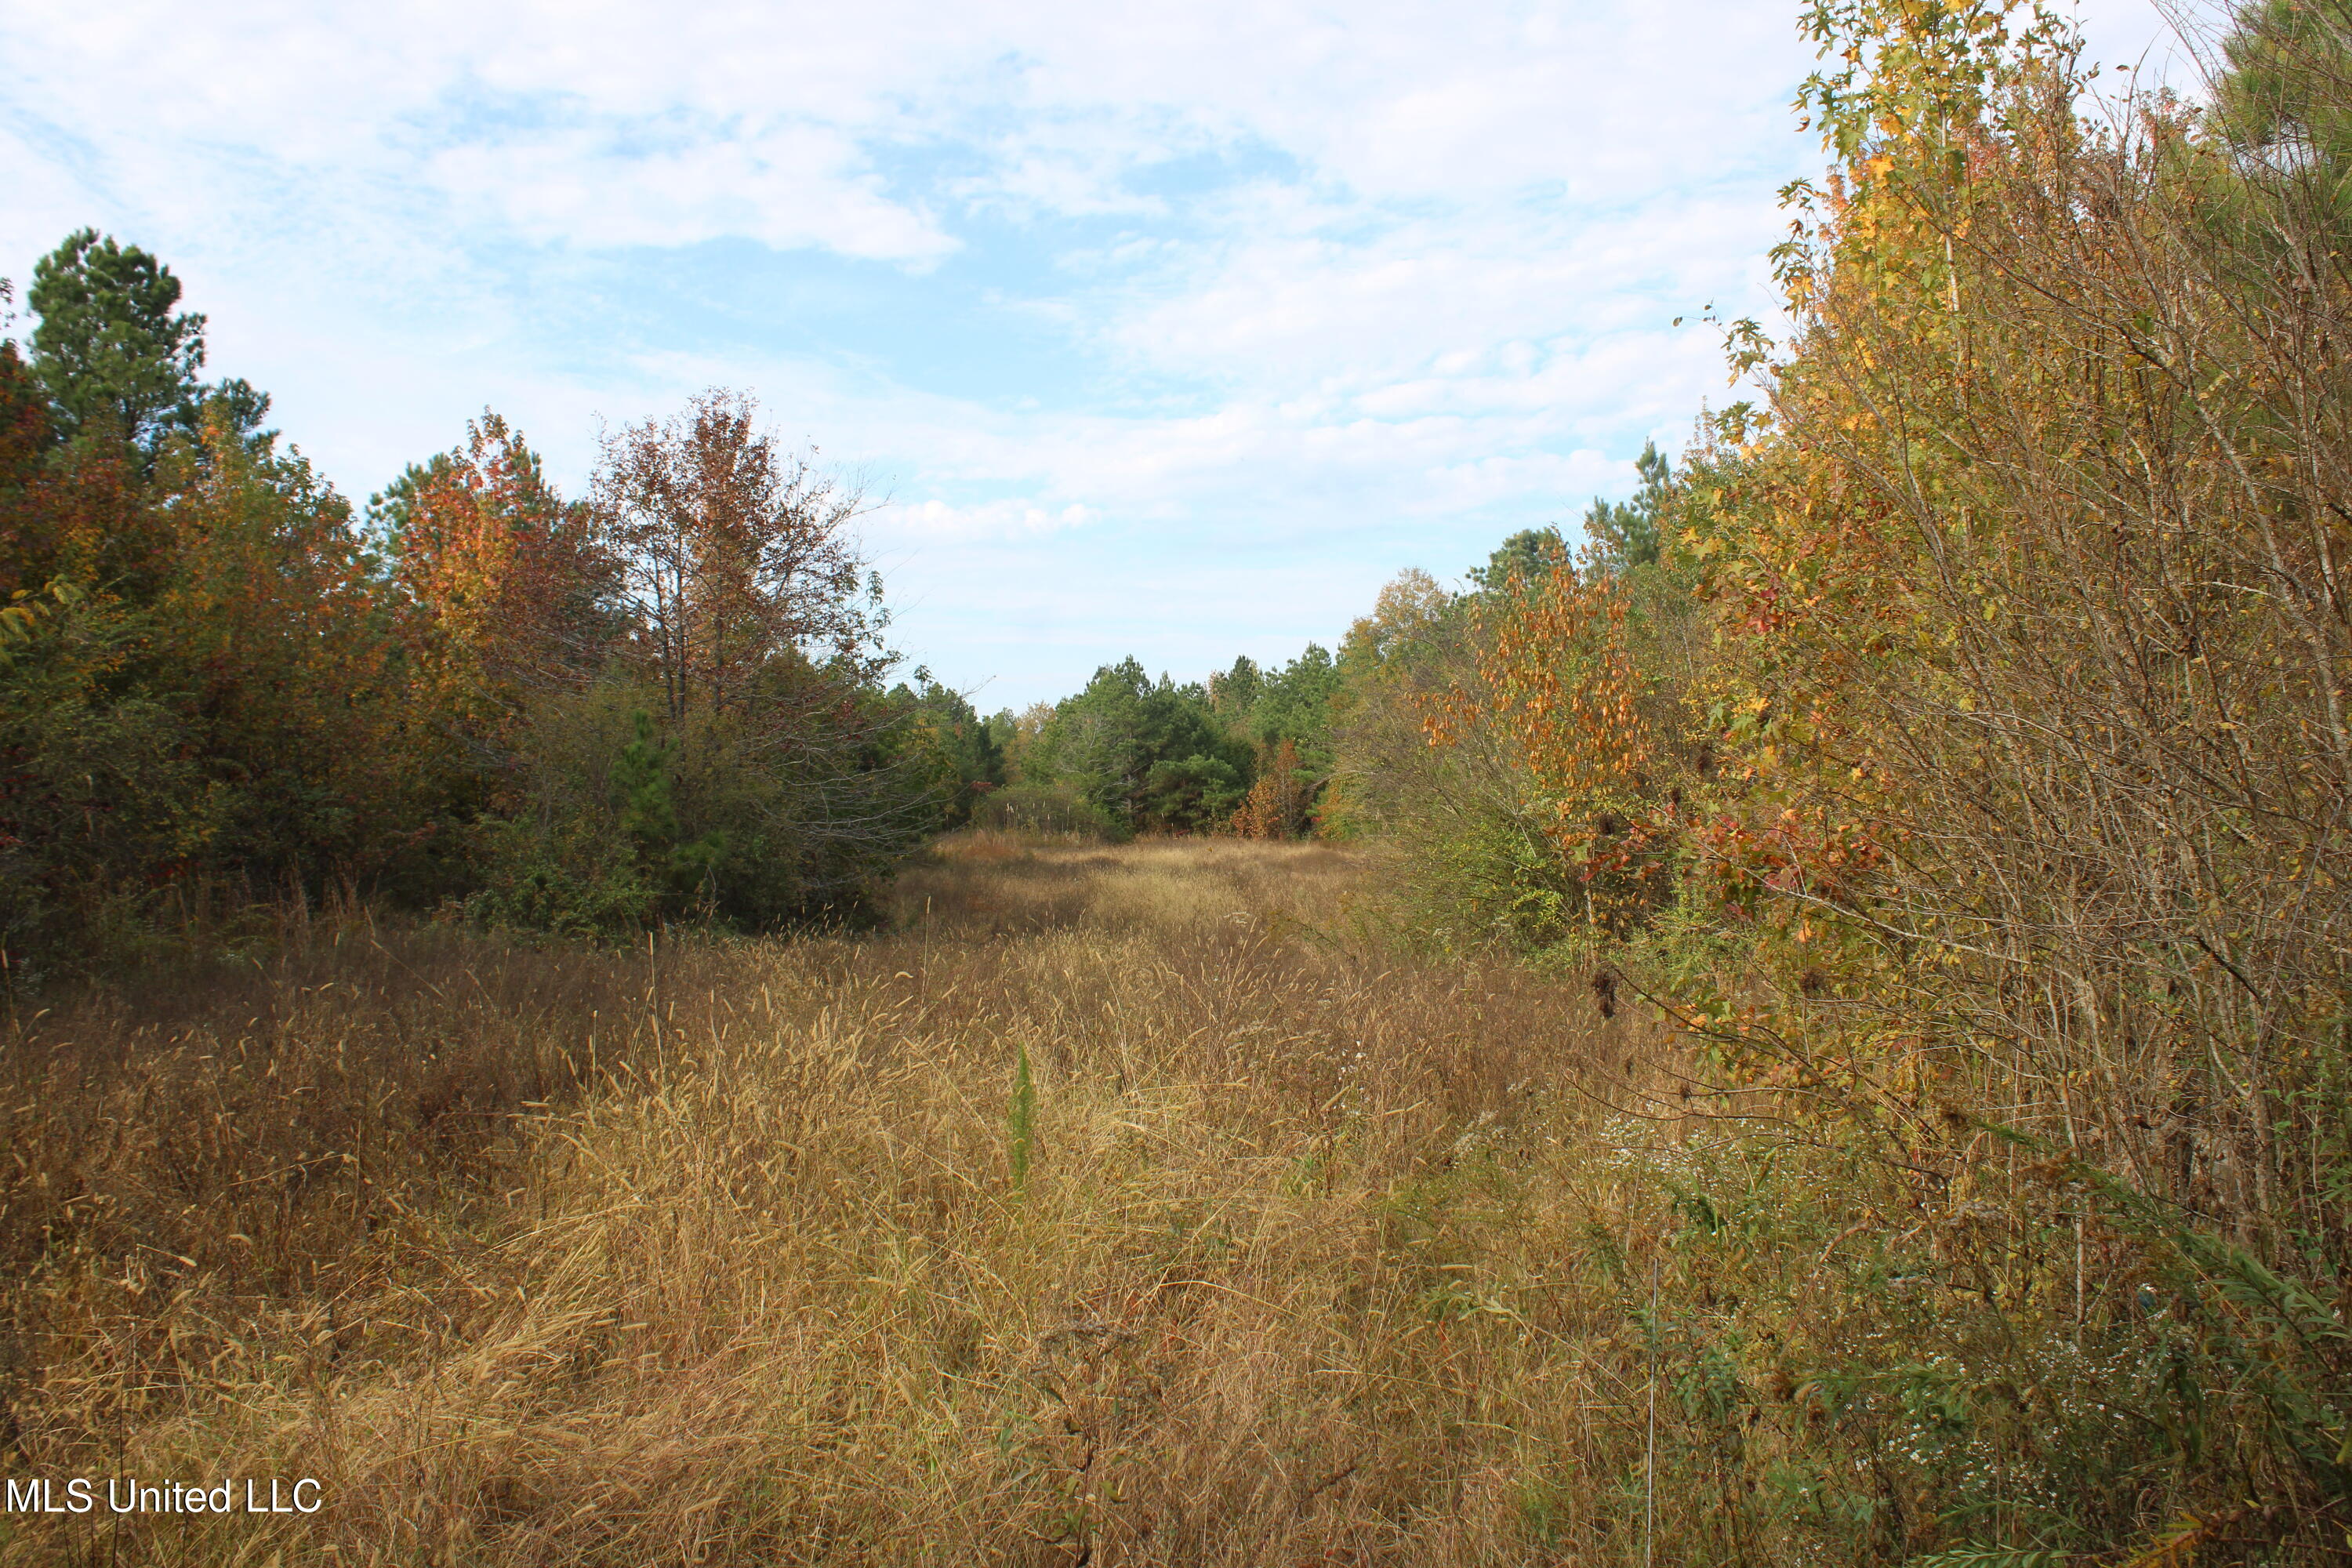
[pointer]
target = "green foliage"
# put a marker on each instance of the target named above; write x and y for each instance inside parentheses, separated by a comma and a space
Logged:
(111, 352)
(1147, 756)
(1294, 704)
(2281, 99)
(1387, 779)
(213, 686)
(240, 407)
(557, 871)
(1626, 534)
(1045, 809)
(1489, 879)
(615, 822)
(643, 783)
(1190, 793)
(1021, 1121)
(1128, 756)
(99, 798)
(1234, 693)
(950, 753)
(1528, 556)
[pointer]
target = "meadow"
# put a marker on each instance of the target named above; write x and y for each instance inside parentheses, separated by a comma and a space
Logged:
(1809, 1021)
(1122, 1206)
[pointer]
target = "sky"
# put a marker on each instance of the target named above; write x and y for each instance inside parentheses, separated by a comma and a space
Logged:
(1170, 330)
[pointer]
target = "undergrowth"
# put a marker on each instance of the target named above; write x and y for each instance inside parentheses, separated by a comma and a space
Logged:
(1121, 1206)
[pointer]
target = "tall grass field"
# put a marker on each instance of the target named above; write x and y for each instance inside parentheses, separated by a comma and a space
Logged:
(1134, 1205)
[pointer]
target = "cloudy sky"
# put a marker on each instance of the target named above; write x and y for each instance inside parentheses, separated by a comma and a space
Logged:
(1172, 329)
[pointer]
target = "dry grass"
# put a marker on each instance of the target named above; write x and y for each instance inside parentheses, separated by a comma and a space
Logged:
(562, 1257)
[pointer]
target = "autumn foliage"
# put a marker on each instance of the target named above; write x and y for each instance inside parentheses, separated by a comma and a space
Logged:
(1966, 777)
(219, 687)
(1936, 786)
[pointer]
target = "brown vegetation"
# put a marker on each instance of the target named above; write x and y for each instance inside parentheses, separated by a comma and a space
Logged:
(717, 1252)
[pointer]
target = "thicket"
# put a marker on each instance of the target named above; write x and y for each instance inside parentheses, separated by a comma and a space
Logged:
(1956, 750)
(1248, 752)
(663, 699)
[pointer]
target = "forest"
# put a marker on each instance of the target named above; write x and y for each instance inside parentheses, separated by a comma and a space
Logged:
(1805, 1017)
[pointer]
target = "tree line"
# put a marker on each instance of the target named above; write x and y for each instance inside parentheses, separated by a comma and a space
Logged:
(667, 698)
(1248, 752)
(1311, 748)
(1954, 749)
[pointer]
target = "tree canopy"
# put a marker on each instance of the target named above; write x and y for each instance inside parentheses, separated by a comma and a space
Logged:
(111, 351)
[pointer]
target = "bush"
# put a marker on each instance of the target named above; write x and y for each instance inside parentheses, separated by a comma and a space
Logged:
(101, 806)
(1045, 809)
(615, 821)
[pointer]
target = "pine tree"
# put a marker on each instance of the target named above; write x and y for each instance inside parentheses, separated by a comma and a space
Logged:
(111, 351)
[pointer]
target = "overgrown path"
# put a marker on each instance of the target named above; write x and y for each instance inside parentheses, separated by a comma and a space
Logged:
(1122, 1208)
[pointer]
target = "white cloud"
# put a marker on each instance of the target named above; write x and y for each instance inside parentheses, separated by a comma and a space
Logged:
(794, 188)
(939, 522)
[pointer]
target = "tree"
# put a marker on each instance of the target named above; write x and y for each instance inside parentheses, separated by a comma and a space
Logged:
(1278, 803)
(739, 722)
(101, 800)
(1294, 704)
(1234, 693)
(111, 352)
(1568, 686)
(736, 556)
(1389, 660)
(2281, 98)
(1193, 794)
(2035, 648)
(953, 753)
(272, 633)
(1525, 557)
(28, 543)
(663, 702)
(506, 587)
(1626, 534)
(1148, 755)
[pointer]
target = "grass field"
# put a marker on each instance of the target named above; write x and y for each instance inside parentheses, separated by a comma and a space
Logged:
(1123, 1206)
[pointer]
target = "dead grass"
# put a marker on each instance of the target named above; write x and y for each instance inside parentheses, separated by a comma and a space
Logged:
(715, 1255)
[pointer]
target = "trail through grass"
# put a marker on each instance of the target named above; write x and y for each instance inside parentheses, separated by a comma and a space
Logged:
(1279, 1250)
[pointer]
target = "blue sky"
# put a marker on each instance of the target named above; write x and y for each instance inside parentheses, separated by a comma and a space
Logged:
(1165, 330)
